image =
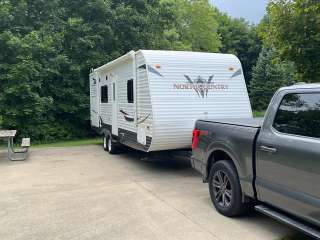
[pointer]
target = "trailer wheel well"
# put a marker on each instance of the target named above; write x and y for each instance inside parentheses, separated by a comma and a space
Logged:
(216, 156)
(105, 132)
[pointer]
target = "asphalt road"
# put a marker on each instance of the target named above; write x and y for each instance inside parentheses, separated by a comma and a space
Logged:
(85, 193)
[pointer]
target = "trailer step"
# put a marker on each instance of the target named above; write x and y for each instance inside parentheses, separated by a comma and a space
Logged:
(284, 218)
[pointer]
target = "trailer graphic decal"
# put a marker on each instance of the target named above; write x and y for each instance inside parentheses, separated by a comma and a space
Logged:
(104, 125)
(142, 119)
(200, 85)
(203, 90)
(237, 73)
(126, 116)
(151, 69)
(129, 118)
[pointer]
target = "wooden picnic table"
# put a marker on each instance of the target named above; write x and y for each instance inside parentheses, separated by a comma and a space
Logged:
(13, 155)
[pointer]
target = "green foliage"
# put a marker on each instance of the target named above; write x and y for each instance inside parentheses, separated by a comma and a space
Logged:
(47, 50)
(267, 77)
(49, 47)
(240, 38)
(259, 113)
(194, 26)
(293, 29)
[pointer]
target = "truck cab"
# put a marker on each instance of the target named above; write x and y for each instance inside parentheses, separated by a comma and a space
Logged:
(288, 152)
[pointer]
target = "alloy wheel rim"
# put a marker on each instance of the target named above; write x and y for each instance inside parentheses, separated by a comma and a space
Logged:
(222, 188)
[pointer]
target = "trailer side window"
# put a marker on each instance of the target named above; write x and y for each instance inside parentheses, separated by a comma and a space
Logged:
(130, 97)
(104, 94)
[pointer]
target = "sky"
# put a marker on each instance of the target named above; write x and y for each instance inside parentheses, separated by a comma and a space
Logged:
(251, 10)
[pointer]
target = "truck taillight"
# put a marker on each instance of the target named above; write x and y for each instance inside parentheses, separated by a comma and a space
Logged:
(195, 137)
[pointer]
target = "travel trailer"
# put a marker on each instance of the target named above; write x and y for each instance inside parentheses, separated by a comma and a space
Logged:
(149, 100)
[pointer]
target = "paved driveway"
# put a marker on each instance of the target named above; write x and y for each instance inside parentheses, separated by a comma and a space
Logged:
(85, 193)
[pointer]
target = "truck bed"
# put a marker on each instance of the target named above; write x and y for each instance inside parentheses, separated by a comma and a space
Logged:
(245, 122)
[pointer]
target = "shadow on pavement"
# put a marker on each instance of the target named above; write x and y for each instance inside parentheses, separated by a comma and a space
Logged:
(160, 162)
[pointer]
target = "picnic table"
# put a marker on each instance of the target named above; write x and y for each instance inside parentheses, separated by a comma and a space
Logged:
(15, 154)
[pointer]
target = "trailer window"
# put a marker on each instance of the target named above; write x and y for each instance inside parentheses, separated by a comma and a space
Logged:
(104, 94)
(299, 114)
(130, 97)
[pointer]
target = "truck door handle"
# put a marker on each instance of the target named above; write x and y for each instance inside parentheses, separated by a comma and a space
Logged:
(268, 149)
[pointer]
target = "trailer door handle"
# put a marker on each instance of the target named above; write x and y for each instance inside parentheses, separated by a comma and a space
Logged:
(268, 149)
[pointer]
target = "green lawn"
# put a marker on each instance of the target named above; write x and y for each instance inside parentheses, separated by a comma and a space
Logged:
(70, 143)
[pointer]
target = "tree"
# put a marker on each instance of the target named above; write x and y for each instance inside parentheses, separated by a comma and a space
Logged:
(47, 50)
(193, 26)
(267, 77)
(292, 27)
(240, 38)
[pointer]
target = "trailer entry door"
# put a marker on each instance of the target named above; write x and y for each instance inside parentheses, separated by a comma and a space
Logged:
(114, 106)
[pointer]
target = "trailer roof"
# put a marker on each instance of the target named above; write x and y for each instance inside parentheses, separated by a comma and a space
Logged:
(171, 53)
(125, 57)
(149, 53)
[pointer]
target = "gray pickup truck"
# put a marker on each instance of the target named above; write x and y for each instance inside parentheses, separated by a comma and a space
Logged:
(272, 163)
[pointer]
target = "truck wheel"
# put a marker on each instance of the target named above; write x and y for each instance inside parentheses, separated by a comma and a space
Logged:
(225, 189)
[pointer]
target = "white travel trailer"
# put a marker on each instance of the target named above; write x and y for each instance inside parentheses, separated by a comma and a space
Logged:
(149, 100)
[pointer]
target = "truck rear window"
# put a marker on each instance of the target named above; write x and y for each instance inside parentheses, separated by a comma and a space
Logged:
(299, 114)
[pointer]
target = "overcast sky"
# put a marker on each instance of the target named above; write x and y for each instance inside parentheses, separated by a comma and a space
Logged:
(252, 10)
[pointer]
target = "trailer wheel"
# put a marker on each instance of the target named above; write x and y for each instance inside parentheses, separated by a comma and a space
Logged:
(225, 189)
(111, 146)
(105, 142)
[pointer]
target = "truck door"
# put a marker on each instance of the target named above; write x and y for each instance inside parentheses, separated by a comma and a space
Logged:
(114, 105)
(288, 156)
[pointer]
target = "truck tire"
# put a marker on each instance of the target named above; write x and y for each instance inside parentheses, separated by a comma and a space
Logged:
(225, 189)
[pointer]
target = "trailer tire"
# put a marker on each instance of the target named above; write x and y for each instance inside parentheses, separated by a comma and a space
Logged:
(225, 189)
(111, 146)
(105, 143)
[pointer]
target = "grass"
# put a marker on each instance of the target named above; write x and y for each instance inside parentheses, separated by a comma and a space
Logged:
(259, 113)
(70, 143)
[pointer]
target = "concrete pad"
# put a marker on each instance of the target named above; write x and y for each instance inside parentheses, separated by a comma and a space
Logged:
(85, 193)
